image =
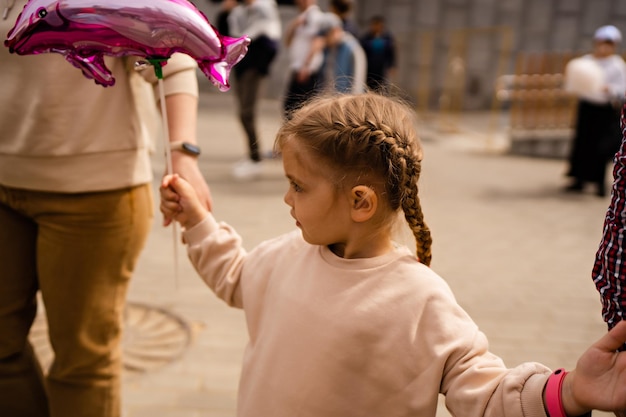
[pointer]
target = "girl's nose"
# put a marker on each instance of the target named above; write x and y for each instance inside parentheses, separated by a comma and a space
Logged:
(287, 199)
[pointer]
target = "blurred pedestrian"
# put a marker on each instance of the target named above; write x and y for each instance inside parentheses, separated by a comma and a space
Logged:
(597, 134)
(345, 66)
(304, 66)
(380, 50)
(343, 9)
(260, 21)
(76, 207)
(221, 19)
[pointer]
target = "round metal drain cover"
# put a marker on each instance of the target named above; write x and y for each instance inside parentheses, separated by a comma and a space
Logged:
(152, 337)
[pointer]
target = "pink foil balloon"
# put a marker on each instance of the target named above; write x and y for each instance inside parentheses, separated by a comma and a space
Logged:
(86, 30)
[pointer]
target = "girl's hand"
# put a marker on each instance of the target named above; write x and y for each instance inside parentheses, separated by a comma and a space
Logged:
(599, 380)
(180, 202)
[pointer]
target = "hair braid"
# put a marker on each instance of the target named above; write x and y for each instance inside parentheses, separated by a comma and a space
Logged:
(413, 212)
(405, 159)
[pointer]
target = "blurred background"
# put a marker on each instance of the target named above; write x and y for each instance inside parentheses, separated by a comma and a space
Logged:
(505, 57)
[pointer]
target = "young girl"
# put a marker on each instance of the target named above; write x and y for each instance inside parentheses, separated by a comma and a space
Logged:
(342, 321)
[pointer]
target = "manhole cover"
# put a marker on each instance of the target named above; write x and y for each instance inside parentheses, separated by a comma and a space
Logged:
(152, 338)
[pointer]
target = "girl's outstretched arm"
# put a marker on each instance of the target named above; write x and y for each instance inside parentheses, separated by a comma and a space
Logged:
(180, 202)
(609, 270)
(599, 380)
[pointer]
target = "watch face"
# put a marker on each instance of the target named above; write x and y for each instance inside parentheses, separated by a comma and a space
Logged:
(190, 148)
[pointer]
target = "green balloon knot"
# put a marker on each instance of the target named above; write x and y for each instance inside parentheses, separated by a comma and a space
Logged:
(157, 63)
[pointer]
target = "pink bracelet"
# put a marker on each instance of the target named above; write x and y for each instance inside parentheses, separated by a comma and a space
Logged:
(554, 402)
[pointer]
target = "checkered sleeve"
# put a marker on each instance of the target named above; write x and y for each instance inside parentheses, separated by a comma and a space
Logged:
(609, 270)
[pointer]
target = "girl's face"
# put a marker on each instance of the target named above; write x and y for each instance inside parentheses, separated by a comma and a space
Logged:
(320, 209)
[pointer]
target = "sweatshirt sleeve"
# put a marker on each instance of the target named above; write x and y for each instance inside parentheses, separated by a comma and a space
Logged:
(609, 270)
(179, 76)
(478, 385)
(217, 254)
(475, 381)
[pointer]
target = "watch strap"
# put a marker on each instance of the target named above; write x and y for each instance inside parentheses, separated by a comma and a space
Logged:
(185, 147)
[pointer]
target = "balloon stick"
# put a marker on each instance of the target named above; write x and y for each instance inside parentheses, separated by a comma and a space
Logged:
(158, 70)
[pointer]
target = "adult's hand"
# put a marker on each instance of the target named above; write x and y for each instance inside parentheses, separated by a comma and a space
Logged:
(599, 380)
(187, 167)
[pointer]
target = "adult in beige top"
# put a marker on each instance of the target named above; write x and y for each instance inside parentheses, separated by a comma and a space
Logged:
(343, 322)
(75, 209)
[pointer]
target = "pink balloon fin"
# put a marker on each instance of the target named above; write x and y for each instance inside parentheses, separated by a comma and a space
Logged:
(219, 72)
(92, 66)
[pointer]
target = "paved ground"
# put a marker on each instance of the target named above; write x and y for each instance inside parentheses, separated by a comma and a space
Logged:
(516, 251)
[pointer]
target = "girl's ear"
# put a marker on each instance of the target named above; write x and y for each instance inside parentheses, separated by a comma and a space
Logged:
(363, 203)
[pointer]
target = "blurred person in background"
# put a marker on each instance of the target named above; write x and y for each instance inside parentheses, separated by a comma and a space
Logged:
(345, 66)
(343, 9)
(76, 207)
(304, 66)
(221, 19)
(597, 134)
(260, 21)
(380, 49)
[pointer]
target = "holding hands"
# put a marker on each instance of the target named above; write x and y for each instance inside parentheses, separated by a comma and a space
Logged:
(180, 202)
(187, 167)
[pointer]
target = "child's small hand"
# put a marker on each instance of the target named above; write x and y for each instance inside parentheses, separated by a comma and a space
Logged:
(180, 202)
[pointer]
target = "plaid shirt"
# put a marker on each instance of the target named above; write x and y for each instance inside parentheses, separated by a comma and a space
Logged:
(609, 270)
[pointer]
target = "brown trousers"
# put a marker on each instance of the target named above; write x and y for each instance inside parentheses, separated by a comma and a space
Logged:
(79, 250)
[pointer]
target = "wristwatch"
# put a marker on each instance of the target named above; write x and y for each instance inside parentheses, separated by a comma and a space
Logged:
(185, 147)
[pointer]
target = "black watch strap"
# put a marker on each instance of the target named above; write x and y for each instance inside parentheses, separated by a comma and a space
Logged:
(186, 147)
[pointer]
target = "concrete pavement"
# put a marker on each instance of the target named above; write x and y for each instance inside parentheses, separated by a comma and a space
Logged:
(515, 250)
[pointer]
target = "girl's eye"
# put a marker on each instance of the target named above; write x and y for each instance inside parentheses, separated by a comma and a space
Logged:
(295, 187)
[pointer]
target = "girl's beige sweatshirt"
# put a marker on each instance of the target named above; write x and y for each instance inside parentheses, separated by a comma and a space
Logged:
(338, 337)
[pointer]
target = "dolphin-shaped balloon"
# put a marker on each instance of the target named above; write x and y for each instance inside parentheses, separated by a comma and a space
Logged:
(86, 30)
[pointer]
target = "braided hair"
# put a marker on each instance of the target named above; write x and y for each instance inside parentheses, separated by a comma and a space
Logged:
(367, 138)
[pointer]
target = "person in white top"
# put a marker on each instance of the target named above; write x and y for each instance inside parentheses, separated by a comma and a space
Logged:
(597, 134)
(304, 67)
(342, 321)
(260, 21)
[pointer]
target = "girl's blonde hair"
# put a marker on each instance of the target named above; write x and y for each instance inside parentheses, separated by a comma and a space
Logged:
(367, 137)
